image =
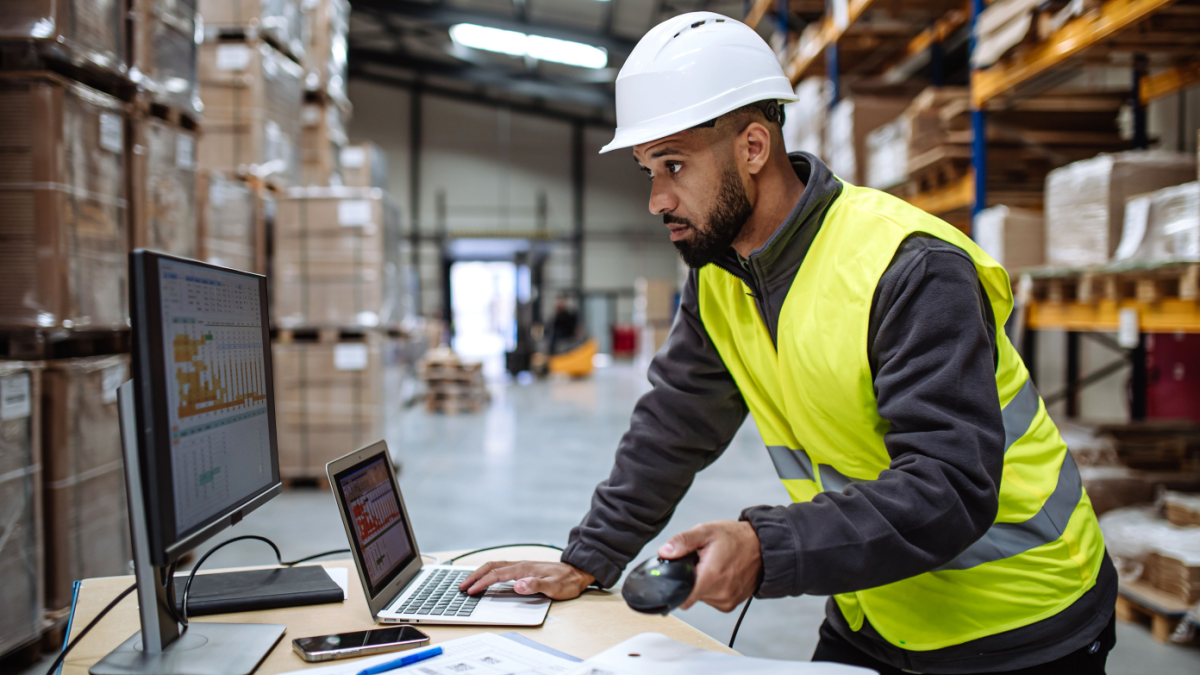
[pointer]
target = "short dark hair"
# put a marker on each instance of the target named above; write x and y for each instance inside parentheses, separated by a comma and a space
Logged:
(770, 110)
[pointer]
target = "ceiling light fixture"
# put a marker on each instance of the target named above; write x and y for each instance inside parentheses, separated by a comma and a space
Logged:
(534, 46)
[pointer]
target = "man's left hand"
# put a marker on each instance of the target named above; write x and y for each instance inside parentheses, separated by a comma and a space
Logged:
(730, 562)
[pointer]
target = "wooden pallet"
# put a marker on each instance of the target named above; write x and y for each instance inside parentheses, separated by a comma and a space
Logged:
(305, 482)
(1139, 602)
(29, 56)
(322, 335)
(453, 404)
(29, 344)
(1165, 296)
(172, 114)
(214, 33)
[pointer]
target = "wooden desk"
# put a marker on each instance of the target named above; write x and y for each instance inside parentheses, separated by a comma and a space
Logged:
(581, 627)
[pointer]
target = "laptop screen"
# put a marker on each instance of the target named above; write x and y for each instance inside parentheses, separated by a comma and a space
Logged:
(382, 540)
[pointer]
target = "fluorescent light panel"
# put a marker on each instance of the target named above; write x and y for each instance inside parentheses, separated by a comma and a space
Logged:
(534, 46)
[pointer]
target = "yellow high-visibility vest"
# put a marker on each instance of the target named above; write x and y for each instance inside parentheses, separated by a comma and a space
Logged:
(813, 400)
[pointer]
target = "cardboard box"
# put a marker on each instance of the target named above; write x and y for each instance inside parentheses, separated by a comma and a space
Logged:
(62, 205)
(325, 55)
(1012, 236)
(21, 555)
(87, 522)
(336, 260)
(363, 165)
(329, 400)
(252, 96)
(887, 153)
(849, 124)
(165, 51)
(92, 31)
(1085, 201)
(281, 22)
(654, 302)
(324, 136)
(163, 187)
(235, 217)
(804, 120)
(1162, 226)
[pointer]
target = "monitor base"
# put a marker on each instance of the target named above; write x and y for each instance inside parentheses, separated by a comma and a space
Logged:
(204, 649)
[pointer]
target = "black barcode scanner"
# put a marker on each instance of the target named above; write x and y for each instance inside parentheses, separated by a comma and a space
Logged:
(658, 586)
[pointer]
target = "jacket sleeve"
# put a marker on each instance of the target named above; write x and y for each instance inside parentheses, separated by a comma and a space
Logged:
(679, 427)
(933, 357)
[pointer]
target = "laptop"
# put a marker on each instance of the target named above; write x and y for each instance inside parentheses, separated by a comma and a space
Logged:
(399, 588)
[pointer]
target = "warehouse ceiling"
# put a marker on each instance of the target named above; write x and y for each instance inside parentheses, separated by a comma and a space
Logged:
(408, 43)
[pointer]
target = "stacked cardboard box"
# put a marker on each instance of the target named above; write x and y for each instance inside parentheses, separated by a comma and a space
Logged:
(91, 32)
(62, 205)
(324, 137)
(804, 123)
(329, 398)
(163, 187)
(363, 165)
(1182, 508)
(252, 95)
(87, 525)
(325, 55)
(654, 305)
(1014, 237)
(850, 123)
(452, 386)
(335, 259)
(235, 217)
(1162, 226)
(1175, 569)
(280, 22)
(21, 551)
(164, 46)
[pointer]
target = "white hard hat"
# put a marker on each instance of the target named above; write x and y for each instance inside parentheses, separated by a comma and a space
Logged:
(691, 69)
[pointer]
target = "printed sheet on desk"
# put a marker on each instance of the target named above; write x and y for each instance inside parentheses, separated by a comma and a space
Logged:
(657, 654)
(480, 654)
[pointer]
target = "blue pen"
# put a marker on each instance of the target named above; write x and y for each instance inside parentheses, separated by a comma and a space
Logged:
(401, 662)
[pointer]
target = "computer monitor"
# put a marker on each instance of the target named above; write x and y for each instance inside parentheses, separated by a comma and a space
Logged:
(198, 430)
(203, 396)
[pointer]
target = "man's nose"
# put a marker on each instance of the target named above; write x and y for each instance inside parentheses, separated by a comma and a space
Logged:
(661, 201)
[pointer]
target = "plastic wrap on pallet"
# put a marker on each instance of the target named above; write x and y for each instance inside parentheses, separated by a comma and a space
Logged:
(165, 49)
(849, 124)
(1162, 226)
(62, 205)
(1014, 237)
(1146, 547)
(887, 153)
(87, 524)
(280, 21)
(804, 123)
(164, 188)
(252, 96)
(1181, 508)
(21, 547)
(230, 218)
(363, 165)
(326, 55)
(1085, 201)
(91, 31)
(1000, 27)
(324, 136)
(329, 399)
(336, 259)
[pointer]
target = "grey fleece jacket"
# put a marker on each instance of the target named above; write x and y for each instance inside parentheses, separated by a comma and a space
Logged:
(932, 352)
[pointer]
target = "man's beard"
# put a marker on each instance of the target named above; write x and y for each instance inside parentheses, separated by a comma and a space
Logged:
(723, 224)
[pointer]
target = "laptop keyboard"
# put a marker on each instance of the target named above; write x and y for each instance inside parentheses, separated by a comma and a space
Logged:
(438, 595)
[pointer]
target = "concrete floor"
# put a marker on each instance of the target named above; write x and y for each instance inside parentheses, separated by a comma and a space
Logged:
(524, 471)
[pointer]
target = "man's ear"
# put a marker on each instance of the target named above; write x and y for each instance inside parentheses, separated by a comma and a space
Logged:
(757, 144)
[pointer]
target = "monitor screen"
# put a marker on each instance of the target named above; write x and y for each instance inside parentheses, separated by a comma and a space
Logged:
(381, 537)
(216, 389)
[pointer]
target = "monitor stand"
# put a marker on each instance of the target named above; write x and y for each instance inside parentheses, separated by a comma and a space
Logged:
(159, 648)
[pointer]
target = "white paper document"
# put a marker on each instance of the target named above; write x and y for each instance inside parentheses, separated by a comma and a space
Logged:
(480, 654)
(657, 654)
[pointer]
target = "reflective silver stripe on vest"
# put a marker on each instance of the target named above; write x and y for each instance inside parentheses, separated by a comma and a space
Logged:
(1005, 540)
(832, 479)
(791, 464)
(1019, 413)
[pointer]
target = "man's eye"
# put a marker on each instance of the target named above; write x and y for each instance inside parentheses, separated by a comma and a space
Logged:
(674, 167)
(649, 174)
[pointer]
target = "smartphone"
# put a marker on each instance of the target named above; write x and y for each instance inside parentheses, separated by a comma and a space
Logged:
(361, 643)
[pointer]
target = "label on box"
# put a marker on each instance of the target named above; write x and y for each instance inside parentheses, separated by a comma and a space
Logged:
(354, 212)
(352, 356)
(1127, 328)
(233, 57)
(353, 158)
(112, 132)
(112, 380)
(15, 399)
(185, 150)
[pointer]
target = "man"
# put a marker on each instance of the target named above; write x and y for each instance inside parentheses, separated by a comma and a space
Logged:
(933, 497)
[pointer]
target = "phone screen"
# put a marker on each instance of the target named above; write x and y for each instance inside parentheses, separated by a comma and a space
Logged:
(362, 638)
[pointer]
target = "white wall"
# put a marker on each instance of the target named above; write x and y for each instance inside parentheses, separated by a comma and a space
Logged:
(492, 163)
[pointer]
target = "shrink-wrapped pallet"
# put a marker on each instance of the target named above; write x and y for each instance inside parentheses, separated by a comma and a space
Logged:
(1085, 201)
(87, 523)
(281, 22)
(849, 124)
(336, 259)
(325, 57)
(363, 165)
(252, 96)
(1162, 226)
(21, 548)
(62, 205)
(887, 153)
(804, 123)
(324, 136)
(86, 31)
(1014, 237)
(165, 49)
(164, 187)
(234, 219)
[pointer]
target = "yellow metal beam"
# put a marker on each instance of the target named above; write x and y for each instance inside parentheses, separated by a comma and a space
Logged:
(1113, 17)
(757, 11)
(1170, 315)
(940, 30)
(828, 35)
(957, 195)
(1169, 81)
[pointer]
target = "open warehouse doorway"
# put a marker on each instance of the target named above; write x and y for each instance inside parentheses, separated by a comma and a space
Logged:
(483, 301)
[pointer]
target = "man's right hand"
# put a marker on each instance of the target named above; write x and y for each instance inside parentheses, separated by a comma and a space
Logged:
(556, 580)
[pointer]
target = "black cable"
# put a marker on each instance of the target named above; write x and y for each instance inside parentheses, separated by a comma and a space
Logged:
(187, 587)
(63, 654)
(494, 548)
(738, 625)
